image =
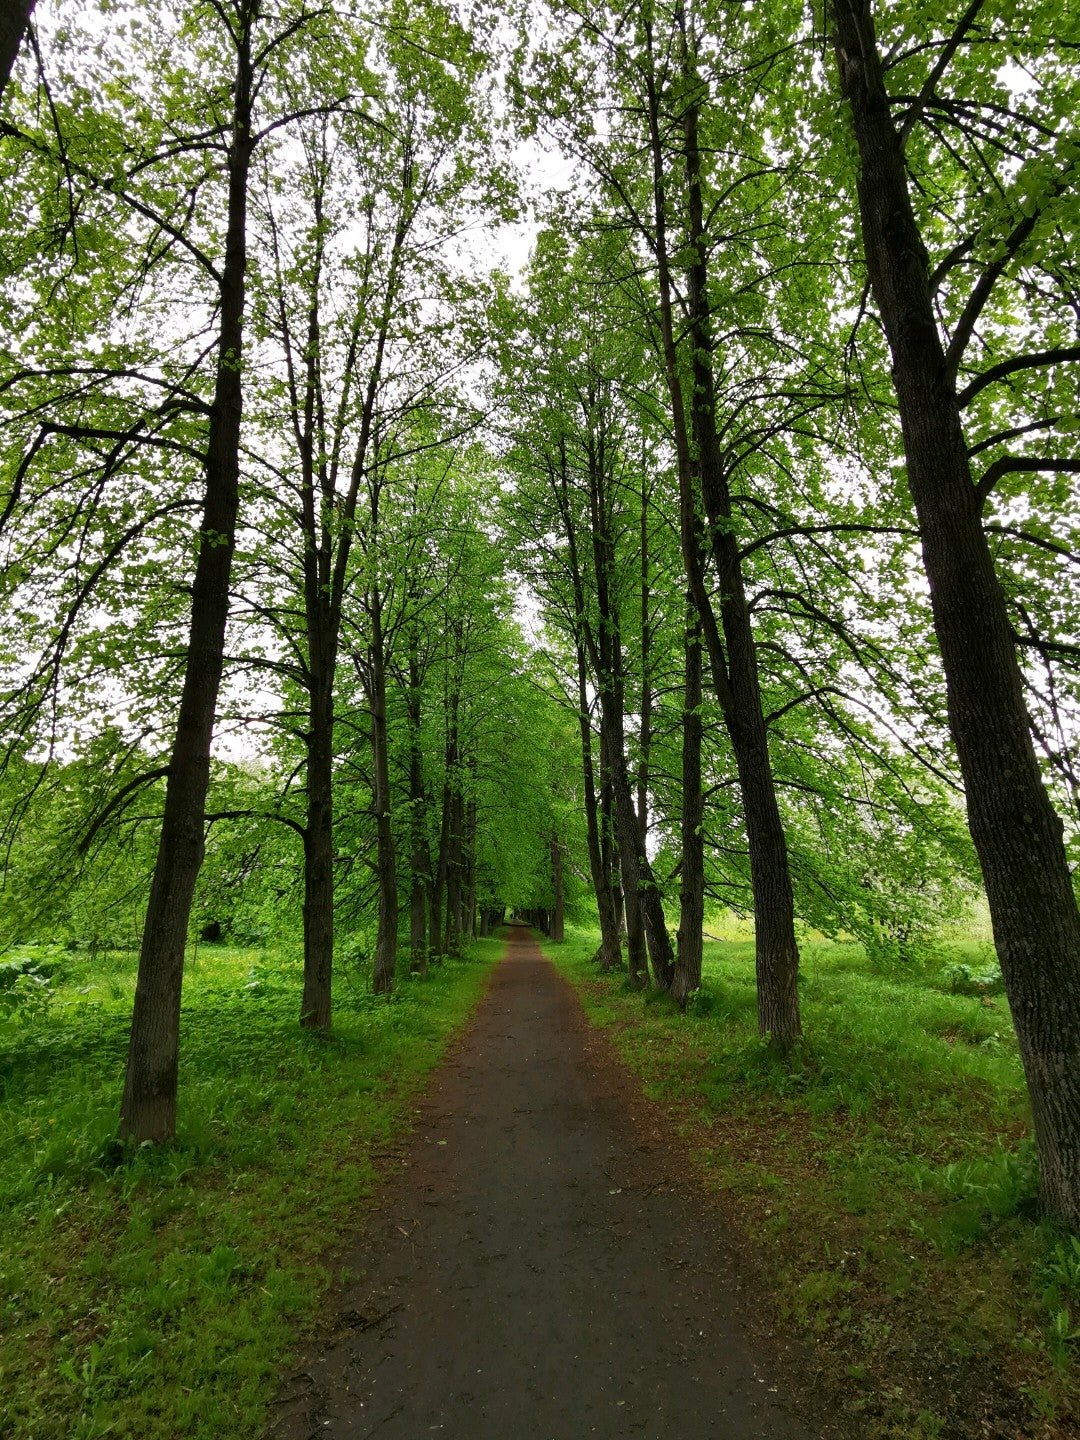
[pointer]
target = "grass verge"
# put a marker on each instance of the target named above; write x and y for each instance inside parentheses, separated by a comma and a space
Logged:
(884, 1177)
(161, 1293)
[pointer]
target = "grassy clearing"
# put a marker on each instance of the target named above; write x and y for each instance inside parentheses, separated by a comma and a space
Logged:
(889, 1171)
(159, 1294)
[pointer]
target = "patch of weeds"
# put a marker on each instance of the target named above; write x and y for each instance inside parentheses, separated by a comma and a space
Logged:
(965, 979)
(980, 1192)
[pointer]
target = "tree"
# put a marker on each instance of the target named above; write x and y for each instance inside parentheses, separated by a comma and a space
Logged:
(1017, 834)
(360, 305)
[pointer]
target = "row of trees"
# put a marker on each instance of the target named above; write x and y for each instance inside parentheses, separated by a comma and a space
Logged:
(802, 323)
(244, 491)
(770, 303)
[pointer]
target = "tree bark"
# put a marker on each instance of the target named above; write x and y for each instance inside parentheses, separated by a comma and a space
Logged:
(420, 854)
(645, 737)
(454, 869)
(775, 945)
(557, 908)
(148, 1108)
(14, 22)
(687, 977)
(437, 944)
(319, 858)
(383, 971)
(638, 878)
(641, 894)
(1016, 831)
(599, 865)
(468, 910)
(735, 673)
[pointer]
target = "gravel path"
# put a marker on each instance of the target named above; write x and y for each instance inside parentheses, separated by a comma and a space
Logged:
(538, 1269)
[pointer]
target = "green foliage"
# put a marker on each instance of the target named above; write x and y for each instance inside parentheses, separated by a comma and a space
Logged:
(26, 988)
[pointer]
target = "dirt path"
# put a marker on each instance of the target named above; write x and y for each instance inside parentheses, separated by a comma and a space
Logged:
(537, 1271)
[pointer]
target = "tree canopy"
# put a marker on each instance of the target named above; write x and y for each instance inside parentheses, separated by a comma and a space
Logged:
(360, 582)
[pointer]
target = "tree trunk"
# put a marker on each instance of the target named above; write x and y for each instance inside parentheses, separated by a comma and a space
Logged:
(454, 855)
(419, 850)
(438, 889)
(148, 1108)
(1017, 833)
(638, 878)
(609, 848)
(14, 21)
(315, 1005)
(641, 895)
(645, 737)
(382, 978)
(776, 948)
(735, 674)
(599, 866)
(687, 976)
(557, 918)
(468, 916)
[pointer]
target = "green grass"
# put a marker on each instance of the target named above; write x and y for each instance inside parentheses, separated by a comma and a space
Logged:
(887, 1166)
(160, 1293)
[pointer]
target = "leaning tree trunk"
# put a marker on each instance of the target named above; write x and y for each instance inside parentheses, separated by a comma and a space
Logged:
(687, 977)
(1016, 831)
(383, 971)
(148, 1108)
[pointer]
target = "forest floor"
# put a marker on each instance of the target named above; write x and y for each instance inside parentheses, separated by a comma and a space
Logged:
(545, 1264)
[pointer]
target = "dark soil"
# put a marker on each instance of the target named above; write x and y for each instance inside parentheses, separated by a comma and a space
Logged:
(541, 1267)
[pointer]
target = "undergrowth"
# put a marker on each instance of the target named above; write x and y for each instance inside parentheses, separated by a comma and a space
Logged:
(157, 1292)
(887, 1164)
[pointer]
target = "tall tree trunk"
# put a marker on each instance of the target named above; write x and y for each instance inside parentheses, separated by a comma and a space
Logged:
(1016, 831)
(645, 737)
(638, 878)
(148, 1108)
(626, 886)
(453, 877)
(420, 877)
(641, 894)
(315, 1013)
(557, 916)
(687, 976)
(437, 944)
(599, 865)
(14, 21)
(776, 948)
(382, 978)
(609, 845)
(468, 912)
(735, 673)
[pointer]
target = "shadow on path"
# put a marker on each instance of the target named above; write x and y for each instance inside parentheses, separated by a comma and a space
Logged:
(536, 1271)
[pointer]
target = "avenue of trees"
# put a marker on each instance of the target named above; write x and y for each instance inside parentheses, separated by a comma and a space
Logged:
(726, 555)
